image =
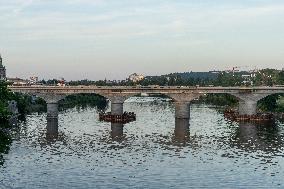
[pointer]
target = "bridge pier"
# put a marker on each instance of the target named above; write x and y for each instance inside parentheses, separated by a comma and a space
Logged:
(117, 100)
(248, 102)
(52, 111)
(116, 107)
(182, 117)
(52, 118)
(247, 107)
(182, 104)
(182, 110)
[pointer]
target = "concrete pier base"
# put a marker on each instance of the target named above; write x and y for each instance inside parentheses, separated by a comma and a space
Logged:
(116, 108)
(182, 110)
(247, 107)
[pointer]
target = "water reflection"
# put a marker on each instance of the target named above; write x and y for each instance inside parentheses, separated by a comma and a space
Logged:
(52, 127)
(5, 142)
(258, 136)
(151, 151)
(181, 133)
(117, 131)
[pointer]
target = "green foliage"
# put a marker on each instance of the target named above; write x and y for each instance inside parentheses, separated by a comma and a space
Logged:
(4, 114)
(268, 103)
(4, 97)
(83, 100)
(272, 103)
(5, 141)
(280, 78)
(220, 99)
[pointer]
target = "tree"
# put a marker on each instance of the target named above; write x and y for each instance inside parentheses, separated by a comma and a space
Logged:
(4, 97)
(280, 78)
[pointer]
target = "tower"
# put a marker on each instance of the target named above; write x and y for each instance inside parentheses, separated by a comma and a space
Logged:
(2, 70)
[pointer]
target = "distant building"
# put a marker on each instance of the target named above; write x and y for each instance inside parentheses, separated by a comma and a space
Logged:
(18, 81)
(136, 77)
(2, 70)
(34, 80)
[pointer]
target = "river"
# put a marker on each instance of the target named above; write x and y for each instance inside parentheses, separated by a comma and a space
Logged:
(156, 151)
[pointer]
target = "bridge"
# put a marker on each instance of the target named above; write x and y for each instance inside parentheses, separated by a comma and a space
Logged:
(181, 95)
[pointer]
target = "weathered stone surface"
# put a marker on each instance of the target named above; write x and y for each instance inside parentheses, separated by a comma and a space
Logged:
(52, 110)
(247, 107)
(248, 102)
(182, 110)
(116, 108)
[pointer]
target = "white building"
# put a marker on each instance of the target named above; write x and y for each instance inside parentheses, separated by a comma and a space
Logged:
(136, 77)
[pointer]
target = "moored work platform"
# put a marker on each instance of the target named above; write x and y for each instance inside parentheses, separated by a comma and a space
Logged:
(126, 117)
(259, 117)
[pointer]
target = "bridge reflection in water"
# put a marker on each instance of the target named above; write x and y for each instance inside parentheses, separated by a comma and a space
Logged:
(248, 136)
(257, 136)
(181, 132)
(52, 127)
(117, 131)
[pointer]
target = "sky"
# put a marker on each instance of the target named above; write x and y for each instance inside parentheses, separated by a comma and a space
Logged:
(98, 39)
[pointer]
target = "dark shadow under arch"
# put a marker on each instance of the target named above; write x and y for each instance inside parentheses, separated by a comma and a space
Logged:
(269, 103)
(84, 100)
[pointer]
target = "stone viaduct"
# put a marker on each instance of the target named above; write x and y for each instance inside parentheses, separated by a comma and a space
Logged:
(181, 96)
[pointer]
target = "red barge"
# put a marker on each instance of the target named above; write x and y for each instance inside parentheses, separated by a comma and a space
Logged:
(232, 115)
(126, 117)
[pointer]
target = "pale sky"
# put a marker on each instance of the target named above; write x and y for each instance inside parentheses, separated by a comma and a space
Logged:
(97, 39)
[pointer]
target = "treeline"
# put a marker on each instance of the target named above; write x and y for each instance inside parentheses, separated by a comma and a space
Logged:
(84, 100)
(265, 77)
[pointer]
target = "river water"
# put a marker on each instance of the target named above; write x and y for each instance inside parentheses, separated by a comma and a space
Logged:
(153, 152)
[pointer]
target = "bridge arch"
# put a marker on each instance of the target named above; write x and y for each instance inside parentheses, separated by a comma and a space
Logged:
(271, 101)
(248, 101)
(84, 99)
